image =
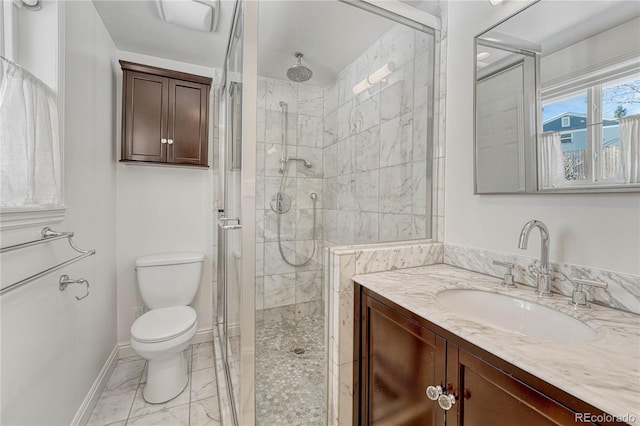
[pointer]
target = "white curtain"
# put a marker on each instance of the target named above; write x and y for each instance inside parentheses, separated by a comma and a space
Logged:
(30, 172)
(551, 161)
(630, 148)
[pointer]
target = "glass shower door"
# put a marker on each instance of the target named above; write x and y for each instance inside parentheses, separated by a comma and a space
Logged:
(236, 217)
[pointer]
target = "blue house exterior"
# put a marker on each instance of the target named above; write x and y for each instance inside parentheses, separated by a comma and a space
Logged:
(573, 130)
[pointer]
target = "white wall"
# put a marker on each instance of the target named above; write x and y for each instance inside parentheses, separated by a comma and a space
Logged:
(600, 51)
(162, 209)
(53, 346)
(597, 230)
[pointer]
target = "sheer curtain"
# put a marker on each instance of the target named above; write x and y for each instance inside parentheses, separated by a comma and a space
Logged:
(551, 160)
(630, 148)
(30, 172)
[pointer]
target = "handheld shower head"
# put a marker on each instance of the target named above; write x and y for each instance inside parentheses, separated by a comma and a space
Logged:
(306, 163)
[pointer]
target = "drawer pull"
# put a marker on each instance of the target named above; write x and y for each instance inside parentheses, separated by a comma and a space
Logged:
(433, 392)
(446, 401)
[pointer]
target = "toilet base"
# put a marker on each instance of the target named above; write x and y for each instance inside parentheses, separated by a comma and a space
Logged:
(166, 378)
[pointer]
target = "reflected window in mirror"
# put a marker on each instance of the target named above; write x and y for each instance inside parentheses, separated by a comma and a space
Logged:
(588, 135)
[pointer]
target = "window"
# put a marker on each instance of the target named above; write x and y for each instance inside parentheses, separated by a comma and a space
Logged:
(31, 185)
(591, 150)
(565, 138)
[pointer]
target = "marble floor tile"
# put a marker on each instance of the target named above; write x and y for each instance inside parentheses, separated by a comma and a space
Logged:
(126, 375)
(203, 384)
(113, 406)
(202, 356)
(176, 416)
(121, 403)
(205, 413)
(141, 407)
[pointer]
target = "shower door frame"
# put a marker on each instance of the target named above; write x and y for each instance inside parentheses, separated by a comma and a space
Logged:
(245, 415)
(248, 214)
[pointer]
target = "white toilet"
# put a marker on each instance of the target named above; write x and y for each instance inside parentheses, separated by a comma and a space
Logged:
(168, 284)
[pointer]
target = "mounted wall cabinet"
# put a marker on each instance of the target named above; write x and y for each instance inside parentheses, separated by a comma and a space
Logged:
(165, 116)
(409, 371)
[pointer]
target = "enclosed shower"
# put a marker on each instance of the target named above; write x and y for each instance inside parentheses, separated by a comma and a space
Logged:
(336, 149)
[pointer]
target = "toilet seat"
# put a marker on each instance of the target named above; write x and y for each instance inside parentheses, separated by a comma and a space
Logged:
(160, 325)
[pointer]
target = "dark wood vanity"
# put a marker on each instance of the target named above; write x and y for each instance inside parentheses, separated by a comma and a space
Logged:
(398, 355)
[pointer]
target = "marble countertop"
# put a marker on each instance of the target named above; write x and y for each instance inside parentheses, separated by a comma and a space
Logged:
(604, 372)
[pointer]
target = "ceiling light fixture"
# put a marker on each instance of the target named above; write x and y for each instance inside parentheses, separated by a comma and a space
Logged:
(482, 55)
(28, 4)
(201, 15)
(374, 78)
(495, 2)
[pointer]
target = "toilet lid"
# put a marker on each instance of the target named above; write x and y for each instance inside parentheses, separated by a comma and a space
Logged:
(162, 324)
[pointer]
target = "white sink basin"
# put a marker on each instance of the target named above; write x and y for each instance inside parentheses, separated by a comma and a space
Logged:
(516, 315)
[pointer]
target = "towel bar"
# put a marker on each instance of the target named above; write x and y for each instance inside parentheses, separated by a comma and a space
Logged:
(47, 235)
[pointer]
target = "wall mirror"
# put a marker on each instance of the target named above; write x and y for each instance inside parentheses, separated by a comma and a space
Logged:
(557, 99)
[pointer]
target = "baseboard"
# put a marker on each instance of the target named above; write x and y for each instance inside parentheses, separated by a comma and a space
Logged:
(84, 412)
(203, 335)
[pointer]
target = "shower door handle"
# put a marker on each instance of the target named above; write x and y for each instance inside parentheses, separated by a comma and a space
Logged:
(226, 225)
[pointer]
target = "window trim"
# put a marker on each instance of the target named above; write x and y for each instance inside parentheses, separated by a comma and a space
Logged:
(29, 216)
(568, 122)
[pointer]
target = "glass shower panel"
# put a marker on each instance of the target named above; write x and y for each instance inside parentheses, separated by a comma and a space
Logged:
(230, 230)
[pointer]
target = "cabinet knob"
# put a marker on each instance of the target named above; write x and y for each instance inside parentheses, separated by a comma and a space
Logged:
(170, 141)
(446, 401)
(433, 392)
(163, 140)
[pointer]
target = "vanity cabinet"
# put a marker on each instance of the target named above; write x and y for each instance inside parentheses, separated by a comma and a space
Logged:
(165, 116)
(399, 360)
(398, 355)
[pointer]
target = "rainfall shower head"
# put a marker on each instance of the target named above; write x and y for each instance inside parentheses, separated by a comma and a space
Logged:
(299, 73)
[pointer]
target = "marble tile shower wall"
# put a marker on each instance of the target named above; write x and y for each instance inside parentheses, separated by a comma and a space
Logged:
(375, 144)
(285, 291)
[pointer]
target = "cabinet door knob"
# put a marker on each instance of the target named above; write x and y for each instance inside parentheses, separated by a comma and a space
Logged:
(170, 141)
(433, 392)
(163, 140)
(446, 401)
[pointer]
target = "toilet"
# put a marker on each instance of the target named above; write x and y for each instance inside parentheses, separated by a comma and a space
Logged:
(168, 284)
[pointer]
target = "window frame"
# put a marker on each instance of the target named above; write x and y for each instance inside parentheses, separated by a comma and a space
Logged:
(31, 216)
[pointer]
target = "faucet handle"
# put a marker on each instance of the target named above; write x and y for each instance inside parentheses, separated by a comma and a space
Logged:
(507, 280)
(579, 295)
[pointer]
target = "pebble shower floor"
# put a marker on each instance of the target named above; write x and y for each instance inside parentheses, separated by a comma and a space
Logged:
(291, 388)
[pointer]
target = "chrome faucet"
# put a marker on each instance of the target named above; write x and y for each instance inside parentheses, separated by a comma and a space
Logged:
(544, 275)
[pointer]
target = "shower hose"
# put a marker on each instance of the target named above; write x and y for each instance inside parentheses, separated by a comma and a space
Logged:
(279, 214)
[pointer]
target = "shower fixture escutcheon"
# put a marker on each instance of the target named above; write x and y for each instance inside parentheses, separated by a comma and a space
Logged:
(280, 202)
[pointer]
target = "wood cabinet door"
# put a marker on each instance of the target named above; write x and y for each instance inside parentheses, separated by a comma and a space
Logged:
(399, 359)
(485, 395)
(145, 117)
(188, 118)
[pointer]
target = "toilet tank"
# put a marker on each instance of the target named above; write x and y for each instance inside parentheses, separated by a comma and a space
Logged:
(169, 279)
